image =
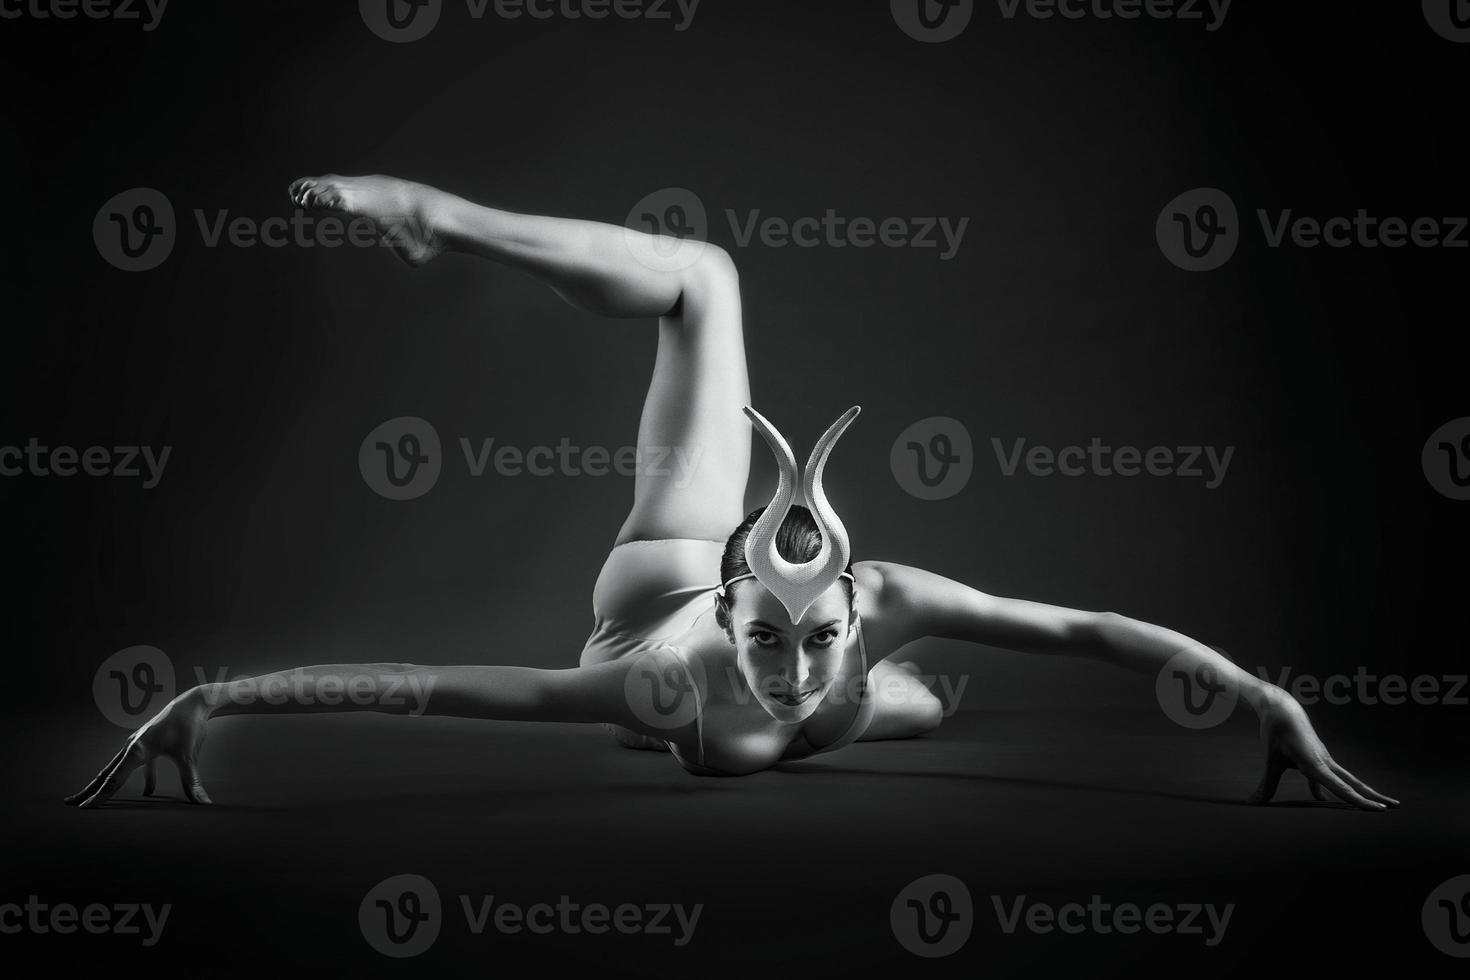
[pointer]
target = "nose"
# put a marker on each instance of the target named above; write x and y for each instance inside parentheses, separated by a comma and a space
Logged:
(797, 672)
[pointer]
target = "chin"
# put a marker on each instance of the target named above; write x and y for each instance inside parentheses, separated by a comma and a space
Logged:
(790, 714)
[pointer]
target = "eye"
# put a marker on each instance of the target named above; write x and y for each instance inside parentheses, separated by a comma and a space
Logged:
(765, 638)
(824, 638)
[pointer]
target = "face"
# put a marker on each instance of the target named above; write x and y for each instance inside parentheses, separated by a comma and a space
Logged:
(790, 669)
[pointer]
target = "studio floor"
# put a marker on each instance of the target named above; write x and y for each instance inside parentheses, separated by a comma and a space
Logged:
(795, 869)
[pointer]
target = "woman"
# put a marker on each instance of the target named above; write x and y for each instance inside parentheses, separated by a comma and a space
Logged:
(735, 651)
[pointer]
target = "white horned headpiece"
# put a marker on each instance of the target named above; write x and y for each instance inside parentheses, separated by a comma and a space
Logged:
(797, 585)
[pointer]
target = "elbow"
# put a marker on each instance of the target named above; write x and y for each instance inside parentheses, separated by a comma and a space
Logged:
(1102, 629)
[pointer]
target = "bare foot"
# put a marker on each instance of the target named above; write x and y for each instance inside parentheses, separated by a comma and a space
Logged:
(397, 208)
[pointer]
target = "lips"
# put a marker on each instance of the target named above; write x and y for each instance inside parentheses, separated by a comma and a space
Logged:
(794, 700)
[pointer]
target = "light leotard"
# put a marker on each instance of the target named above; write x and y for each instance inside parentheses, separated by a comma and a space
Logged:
(650, 592)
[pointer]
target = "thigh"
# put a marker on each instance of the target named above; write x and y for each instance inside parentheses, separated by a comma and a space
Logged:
(693, 439)
(904, 707)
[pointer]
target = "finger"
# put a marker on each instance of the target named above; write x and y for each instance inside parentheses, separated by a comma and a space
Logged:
(193, 785)
(131, 759)
(1344, 791)
(150, 777)
(1317, 793)
(1361, 786)
(1275, 766)
(97, 780)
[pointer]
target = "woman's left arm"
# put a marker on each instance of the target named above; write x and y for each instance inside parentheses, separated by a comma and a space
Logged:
(919, 603)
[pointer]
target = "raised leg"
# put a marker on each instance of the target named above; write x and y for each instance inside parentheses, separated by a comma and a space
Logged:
(694, 443)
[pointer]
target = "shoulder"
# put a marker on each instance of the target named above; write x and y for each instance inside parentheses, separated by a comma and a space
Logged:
(912, 602)
(887, 586)
(886, 600)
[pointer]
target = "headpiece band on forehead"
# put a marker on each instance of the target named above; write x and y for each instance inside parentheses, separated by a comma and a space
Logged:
(797, 585)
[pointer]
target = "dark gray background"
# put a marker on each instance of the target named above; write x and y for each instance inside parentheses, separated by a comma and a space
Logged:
(1059, 321)
(1326, 548)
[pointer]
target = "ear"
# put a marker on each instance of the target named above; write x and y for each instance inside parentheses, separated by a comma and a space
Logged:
(852, 614)
(722, 616)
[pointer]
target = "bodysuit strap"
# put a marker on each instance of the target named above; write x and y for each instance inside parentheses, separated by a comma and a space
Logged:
(851, 733)
(698, 706)
(698, 713)
(863, 663)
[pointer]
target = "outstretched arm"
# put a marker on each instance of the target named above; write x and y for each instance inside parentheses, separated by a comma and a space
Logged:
(601, 693)
(921, 603)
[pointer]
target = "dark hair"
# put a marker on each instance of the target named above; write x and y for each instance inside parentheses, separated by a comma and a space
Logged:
(798, 540)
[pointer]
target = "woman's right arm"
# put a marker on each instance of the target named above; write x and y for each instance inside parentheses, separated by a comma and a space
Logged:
(614, 692)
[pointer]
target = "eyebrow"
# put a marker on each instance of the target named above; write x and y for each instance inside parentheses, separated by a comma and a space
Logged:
(776, 629)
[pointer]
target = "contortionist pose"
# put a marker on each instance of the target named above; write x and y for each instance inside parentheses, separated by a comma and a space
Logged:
(734, 641)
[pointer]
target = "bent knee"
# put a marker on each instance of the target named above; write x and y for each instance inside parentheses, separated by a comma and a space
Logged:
(711, 284)
(927, 713)
(905, 710)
